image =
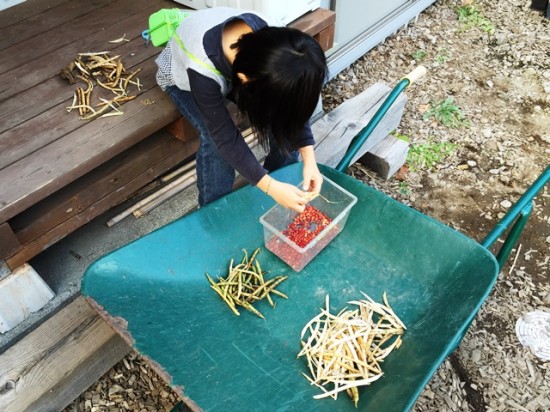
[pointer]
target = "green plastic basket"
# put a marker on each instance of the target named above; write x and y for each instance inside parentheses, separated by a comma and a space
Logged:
(163, 24)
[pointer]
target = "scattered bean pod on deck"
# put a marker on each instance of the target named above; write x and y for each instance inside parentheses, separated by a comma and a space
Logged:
(100, 70)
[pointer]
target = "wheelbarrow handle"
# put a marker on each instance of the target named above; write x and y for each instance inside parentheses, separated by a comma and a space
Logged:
(416, 74)
(363, 135)
(518, 216)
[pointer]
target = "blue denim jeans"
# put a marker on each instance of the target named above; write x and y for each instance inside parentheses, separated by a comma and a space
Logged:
(215, 177)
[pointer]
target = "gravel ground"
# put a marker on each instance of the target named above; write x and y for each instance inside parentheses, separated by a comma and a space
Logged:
(495, 65)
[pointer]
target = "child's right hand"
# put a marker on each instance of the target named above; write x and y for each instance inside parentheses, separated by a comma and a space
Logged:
(288, 196)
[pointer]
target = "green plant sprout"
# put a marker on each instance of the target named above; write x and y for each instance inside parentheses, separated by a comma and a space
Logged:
(400, 136)
(442, 57)
(472, 17)
(419, 55)
(447, 113)
(425, 156)
(404, 188)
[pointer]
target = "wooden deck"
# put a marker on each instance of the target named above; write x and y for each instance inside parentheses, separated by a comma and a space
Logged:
(57, 172)
(50, 159)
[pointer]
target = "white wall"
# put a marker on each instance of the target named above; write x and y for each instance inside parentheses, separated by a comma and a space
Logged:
(360, 26)
(4, 4)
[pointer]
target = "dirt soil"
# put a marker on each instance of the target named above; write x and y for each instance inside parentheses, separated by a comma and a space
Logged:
(500, 82)
(496, 68)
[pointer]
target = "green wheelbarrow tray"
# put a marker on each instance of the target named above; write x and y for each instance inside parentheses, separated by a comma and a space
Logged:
(155, 293)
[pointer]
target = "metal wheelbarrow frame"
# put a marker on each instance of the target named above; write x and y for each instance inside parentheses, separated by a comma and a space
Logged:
(154, 292)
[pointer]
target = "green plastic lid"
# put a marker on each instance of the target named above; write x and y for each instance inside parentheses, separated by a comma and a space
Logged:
(163, 24)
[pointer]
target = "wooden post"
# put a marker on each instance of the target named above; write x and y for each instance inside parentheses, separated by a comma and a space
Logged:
(386, 157)
(319, 24)
(182, 130)
(9, 243)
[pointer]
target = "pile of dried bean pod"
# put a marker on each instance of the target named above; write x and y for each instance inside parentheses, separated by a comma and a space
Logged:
(345, 350)
(245, 284)
(99, 69)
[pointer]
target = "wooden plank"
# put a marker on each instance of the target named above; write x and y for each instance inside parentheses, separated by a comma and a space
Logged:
(43, 75)
(112, 176)
(49, 19)
(182, 130)
(9, 244)
(315, 21)
(22, 11)
(325, 38)
(335, 131)
(38, 129)
(96, 364)
(30, 180)
(36, 71)
(56, 362)
(74, 30)
(62, 213)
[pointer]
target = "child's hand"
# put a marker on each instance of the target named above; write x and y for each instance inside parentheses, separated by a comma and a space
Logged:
(313, 179)
(288, 196)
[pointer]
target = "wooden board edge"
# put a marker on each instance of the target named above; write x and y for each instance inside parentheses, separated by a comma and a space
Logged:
(49, 360)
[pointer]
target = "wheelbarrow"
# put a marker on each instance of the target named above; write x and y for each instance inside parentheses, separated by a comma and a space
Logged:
(155, 294)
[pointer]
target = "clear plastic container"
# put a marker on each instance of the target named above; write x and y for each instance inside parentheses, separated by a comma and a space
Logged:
(335, 202)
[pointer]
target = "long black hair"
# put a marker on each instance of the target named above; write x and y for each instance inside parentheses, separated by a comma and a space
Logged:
(285, 70)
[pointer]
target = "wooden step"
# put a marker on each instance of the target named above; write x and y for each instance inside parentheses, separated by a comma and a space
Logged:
(86, 198)
(56, 362)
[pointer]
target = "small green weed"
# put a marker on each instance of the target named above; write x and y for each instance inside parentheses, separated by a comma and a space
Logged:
(426, 155)
(442, 57)
(419, 55)
(472, 17)
(404, 188)
(400, 136)
(447, 113)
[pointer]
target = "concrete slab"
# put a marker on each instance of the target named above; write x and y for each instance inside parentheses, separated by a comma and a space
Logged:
(22, 292)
